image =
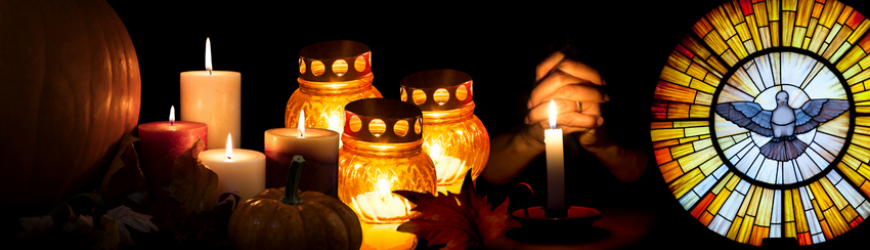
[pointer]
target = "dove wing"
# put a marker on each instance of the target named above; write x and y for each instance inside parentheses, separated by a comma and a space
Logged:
(818, 111)
(748, 115)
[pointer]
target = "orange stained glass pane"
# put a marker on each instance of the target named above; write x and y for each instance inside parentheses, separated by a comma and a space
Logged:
(862, 28)
(805, 8)
(702, 27)
(804, 239)
(865, 187)
(854, 19)
(826, 230)
(856, 222)
(671, 92)
(678, 110)
(844, 15)
(679, 61)
(720, 20)
(663, 156)
(705, 219)
(671, 171)
(745, 230)
(817, 10)
(758, 234)
(701, 206)
(667, 143)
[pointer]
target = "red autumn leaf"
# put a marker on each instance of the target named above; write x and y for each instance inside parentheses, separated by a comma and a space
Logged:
(460, 221)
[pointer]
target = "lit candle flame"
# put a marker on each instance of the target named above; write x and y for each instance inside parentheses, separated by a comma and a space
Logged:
(172, 115)
(553, 113)
(383, 189)
(301, 125)
(208, 56)
(229, 147)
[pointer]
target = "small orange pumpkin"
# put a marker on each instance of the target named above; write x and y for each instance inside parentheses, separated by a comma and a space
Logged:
(274, 219)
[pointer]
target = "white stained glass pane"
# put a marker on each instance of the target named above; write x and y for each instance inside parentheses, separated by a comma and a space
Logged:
(763, 64)
(736, 148)
(813, 221)
(705, 185)
(851, 195)
(720, 171)
(744, 164)
(818, 238)
(834, 177)
(767, 173)
(864, 209)
(702, 144)
(730, 207)
(825, 86)
(795, 68)
(777, 207)
(779, 173)
(689, 200)
(831, 143)
(820, 162)
(806, 166)
(775, 231)
(805, 199)
(788, 172)
(720, 225)
(743, 186)
(756, 165)
(756, 77)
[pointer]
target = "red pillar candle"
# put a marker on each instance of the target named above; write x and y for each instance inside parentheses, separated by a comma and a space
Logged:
(162, 142)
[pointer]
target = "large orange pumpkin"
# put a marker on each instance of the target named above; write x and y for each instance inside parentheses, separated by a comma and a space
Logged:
(69, 90)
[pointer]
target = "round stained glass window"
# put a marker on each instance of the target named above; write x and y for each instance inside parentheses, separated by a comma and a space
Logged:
(761, 120)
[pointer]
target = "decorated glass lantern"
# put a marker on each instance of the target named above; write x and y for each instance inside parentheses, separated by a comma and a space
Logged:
(383, 152)
(331, 74)
(453, 136)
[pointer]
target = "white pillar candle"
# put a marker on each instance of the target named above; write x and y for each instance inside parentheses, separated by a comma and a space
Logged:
(319, 148)
(239, 171)
(555, 163)
(214, 98)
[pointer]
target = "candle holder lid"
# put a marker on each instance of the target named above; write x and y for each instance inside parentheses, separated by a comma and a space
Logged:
(437, 89)
(383, 120)
(335, 61)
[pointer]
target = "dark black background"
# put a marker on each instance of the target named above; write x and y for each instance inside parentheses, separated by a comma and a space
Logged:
(498, 45)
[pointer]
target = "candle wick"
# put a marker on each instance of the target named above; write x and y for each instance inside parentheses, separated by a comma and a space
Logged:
(209, 71)
(171, 123)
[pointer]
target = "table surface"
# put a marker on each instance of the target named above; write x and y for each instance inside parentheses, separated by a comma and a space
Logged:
(617, 228)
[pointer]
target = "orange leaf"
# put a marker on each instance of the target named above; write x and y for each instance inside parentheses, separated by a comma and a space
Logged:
(460, 221)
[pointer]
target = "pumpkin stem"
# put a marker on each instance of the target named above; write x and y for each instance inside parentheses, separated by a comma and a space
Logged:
(291, 197)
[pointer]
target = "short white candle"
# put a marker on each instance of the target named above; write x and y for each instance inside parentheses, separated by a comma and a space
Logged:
(239, 171)
(555, 163)
(214, 98)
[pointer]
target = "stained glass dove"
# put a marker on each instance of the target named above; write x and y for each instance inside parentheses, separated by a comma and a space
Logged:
(782, 123)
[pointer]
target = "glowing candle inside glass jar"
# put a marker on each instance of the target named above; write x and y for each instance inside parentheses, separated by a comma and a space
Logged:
(382, 203)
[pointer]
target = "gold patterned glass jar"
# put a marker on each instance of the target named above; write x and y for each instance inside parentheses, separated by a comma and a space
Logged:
(383, 152)
(453, 136)
(331, 74)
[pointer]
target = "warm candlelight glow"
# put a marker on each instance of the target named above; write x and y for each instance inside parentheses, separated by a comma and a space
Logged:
(552, 113)
(301, 125)
(229, 147)
(172, 115)
(381, 205)
(208, 56)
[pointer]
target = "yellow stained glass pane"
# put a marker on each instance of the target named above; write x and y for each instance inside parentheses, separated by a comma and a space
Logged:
(718, 201)
(833, 193)
(745, 229)
(836, 222)
(686, 182)
(666, 91)
(821, 197)
(735, 228)
(666, 134)
(695, 159)
(681, 150)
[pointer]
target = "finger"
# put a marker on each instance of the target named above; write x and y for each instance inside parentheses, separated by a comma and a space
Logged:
(573, 92)
(580, 70)
(542, 112)
(568, 115)
(572, 122)
(548, 64)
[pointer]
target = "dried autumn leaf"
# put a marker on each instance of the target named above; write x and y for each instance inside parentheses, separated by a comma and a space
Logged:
(192, 182)
(124, 217)
(124, 170)
(460, 221)
(35, 226)
(106, 236)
